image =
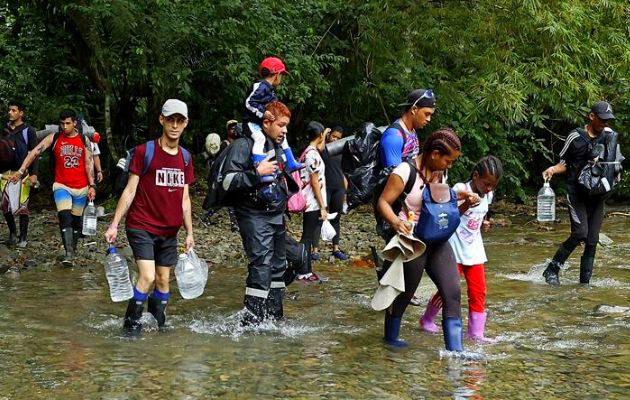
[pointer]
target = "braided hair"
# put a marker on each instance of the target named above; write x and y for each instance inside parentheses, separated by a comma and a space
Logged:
(444, 140)
(488, 165)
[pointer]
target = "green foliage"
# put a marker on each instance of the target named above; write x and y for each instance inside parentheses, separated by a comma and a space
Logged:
(512, 76)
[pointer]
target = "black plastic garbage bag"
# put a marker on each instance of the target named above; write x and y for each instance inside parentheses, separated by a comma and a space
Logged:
(362, 166)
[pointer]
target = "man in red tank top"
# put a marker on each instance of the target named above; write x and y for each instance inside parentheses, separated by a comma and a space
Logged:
(158, 202)
(74, 178)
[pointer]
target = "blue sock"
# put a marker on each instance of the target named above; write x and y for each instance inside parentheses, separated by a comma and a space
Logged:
(160, 295)
(138, 295)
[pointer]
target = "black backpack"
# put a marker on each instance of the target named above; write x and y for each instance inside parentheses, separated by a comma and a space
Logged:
(12, 150)
(217, 195)
(602, 173)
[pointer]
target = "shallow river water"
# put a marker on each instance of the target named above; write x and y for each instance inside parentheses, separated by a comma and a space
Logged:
(60, 335)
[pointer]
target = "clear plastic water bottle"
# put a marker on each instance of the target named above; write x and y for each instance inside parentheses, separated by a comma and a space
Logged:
(190, 277)
(546, 204)
(117, 273)
(89, 219)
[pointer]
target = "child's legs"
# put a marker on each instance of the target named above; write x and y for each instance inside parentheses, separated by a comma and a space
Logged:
(259, 139)
(476, 282)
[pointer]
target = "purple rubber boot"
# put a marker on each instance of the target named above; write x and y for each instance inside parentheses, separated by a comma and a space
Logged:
(427, 321)
(477, 325)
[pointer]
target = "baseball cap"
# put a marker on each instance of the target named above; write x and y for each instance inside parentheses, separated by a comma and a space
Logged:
(230, 123)
(420, 98)
(603, 110)
(174, 106)
(272, 65)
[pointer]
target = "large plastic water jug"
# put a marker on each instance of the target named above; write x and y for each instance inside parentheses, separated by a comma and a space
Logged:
(192, 274)
(89, 219)
(117, 273)
(546, 210)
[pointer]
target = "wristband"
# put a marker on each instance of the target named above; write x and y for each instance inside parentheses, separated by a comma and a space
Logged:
(92, 186)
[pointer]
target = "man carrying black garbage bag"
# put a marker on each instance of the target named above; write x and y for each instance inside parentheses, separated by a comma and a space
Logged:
(259, 208)
(586, 205)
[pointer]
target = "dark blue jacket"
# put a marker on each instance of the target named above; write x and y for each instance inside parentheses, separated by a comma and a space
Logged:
(261, 94)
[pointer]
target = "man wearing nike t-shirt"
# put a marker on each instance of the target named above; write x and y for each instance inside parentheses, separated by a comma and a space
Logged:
(158, 202)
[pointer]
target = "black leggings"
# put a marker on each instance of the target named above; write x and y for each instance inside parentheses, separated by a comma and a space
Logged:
(335, 205)
(586, 216)
(311, 228)
(441, 266)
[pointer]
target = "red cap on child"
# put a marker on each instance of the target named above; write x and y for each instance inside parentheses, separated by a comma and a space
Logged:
(273, 65)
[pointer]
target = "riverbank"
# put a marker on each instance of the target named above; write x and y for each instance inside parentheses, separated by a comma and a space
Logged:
(216, 242)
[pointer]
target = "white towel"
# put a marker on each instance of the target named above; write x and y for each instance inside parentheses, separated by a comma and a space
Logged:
(400, 249)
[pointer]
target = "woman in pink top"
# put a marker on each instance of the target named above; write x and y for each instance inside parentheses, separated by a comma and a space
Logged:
(440, 150)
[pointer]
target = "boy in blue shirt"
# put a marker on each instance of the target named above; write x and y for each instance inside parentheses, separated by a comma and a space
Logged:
(263, 92)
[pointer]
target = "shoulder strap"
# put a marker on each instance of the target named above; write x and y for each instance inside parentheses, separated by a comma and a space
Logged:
(148, 155)
(396, 125)
(307, 150)
(149, 152)
(54, 141)
(186, 155)
(413, 173)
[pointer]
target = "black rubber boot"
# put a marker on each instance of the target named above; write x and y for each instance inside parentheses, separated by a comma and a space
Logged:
(12, 240)
(158, 309)
(67, 238)
(76, 234)
(132, 323)
(255, 310)
(23, 230)
(586, 269)
(274, 303)
(551, 273)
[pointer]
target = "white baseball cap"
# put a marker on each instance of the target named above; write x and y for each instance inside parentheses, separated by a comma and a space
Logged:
(174, 106)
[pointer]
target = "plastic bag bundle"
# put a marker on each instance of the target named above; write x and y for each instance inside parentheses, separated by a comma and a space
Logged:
(328, 232)
(191, 273)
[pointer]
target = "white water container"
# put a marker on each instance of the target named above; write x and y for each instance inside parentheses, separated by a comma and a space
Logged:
(89, 219)
(546, 210)
(117, 273)
(192, 274)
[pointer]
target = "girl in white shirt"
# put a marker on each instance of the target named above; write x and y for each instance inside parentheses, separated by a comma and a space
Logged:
(467, 245)
(315, 194)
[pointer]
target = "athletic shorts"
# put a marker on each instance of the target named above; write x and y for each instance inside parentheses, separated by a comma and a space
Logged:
(70, 199)
(147, 246)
